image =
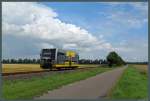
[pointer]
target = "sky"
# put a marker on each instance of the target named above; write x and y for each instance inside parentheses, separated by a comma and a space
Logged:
(93, 29)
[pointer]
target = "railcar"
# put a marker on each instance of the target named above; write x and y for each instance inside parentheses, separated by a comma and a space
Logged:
(58, 58)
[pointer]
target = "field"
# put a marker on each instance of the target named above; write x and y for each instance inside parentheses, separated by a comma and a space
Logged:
(133, 84)
(142, 68)
(29, 88)
(13, 68)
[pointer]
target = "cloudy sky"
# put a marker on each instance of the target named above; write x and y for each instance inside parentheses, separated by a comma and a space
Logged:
(91, 29)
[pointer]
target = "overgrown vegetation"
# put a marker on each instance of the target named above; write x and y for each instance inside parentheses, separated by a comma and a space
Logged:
(132, 85)
(29, 88)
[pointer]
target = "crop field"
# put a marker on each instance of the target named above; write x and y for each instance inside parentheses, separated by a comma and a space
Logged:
(142, 68)
(133, 84)
(13, 68)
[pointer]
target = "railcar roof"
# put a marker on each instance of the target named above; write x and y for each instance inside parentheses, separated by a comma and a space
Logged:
(60, 50)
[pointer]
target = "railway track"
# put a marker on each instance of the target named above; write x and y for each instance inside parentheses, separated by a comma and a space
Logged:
(19, 73)
(28, 75)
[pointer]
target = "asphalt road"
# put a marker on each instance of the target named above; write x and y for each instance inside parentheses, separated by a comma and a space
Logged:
(91, 88)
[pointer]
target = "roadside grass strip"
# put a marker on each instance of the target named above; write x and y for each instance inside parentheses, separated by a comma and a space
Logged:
(132, 85)
(36, 86)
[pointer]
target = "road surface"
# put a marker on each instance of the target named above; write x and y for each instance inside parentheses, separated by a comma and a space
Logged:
(91, 88)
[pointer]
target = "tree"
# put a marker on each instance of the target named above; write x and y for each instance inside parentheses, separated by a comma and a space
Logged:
(114, 59)
(38, 61)
(34, 61)
(12, 61)
(20, 60)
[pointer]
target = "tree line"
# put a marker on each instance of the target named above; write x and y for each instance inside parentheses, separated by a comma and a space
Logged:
(21, 61)
(37, 61)
(89, 61)
(112, 59)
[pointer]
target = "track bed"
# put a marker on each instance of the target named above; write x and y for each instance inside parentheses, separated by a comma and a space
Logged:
(28, 75)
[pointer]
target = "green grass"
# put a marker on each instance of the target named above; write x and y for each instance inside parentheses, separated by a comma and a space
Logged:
(132, 85)
(29, 88)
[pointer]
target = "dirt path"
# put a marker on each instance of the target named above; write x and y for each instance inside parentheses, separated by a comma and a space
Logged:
(91, 88)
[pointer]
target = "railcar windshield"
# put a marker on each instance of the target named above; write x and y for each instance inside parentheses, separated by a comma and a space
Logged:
(48, 53)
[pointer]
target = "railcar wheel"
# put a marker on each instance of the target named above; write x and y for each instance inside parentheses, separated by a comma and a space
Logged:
(59, 69)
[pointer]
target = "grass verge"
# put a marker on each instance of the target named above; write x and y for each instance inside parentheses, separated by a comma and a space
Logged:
(132, 85)
(29, 88)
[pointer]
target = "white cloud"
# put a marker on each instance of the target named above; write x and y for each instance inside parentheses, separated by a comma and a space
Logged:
(39, 22)
(133, 18)
(70, 46)
(143, 6)
(126, 19)
(45, 45)
(136, 5)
